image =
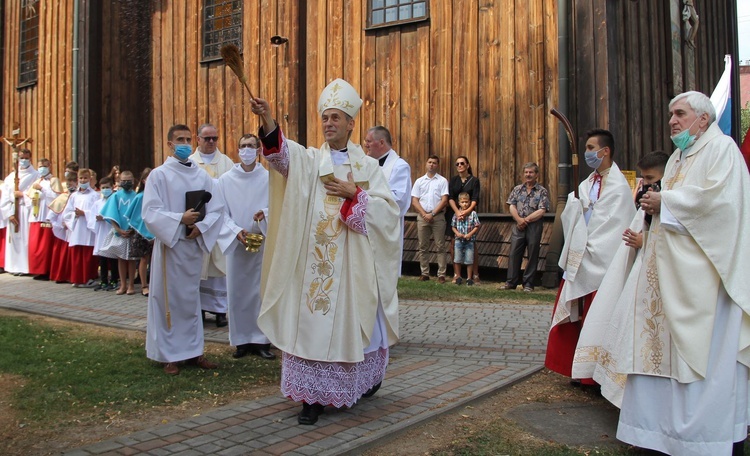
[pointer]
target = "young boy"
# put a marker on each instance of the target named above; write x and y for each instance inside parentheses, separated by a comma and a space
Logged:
(83, 265)
(114, 211)
(651, 167)
(97, 224)
(59, 268)
(466, 233)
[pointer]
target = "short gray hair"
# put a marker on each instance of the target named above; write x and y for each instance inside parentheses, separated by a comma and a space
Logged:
(531, 165)
(700, 103)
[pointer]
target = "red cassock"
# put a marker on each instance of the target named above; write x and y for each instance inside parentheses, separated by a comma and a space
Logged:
(59, 266)
(83, 264)
(41, 241)
(563, 339)
(2, 248)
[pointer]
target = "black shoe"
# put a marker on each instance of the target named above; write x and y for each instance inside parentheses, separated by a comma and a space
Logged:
(370, 392)
(221, 320)
(309, 414)
(264, 353)
(41, 277)
(242, 351)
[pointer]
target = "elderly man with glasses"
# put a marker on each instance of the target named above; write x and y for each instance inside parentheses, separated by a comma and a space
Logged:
(214, 285)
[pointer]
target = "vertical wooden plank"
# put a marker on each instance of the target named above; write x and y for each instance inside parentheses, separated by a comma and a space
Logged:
(625, 142)
(288, 101)
(505, 156)
(334, 46)
(550, 177)
(465, 85)
(368, 85)
(584, 100)
(388, 83)
(413, 84)
(537, 86)
(60, 56)
(524, 149)
(192, 61)
(316, 66)
(160, 135)
(251, 57)
(66, 30)
(108, 55)
(645, 144)
(268, 81)
(352, 56)
(167, 70)
(179, 62)
(490, 116)
(441, 86)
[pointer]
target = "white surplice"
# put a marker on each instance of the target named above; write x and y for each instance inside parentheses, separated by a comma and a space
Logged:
(329, 283)
(214, 283)
(686, 392)
(609, 324)
(243, 193)
(176, 261)
(80, 234)
(398, 174)
(593, 232)
(16, 243)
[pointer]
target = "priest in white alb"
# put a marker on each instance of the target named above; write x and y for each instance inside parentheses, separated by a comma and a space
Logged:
(330, 267)
(379, 146)
(244, 191)
(174, 331)
(687, 387)
(593, 224)
(214, 275)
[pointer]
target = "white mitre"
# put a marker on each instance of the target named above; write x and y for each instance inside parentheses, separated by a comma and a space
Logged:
(341, 95)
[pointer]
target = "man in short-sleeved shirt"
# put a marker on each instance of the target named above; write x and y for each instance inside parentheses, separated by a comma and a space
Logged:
(528, 203)
(429, 196)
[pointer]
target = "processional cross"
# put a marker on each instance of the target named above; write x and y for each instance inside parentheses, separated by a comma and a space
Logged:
(15, 144)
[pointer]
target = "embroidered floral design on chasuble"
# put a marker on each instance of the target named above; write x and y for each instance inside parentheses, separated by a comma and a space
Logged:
(322, 273)
(653, 327)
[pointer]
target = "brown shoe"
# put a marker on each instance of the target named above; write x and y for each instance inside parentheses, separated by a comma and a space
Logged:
(171, 369)
(424, 278)
(441, 279)
(506, 286)
(203, 363)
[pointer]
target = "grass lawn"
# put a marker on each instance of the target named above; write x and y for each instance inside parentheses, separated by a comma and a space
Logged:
(70, 372)
(409, 287)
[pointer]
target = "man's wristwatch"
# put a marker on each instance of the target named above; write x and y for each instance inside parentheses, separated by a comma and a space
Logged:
(432, 214)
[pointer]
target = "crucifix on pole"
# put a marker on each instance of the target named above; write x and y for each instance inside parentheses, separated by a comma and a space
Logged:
(15, 143)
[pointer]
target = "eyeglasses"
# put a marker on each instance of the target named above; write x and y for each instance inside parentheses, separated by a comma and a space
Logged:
(460, 163)
(210, 138)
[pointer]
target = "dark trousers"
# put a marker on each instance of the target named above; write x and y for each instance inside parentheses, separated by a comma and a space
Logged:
(529, 238)
(107, 268)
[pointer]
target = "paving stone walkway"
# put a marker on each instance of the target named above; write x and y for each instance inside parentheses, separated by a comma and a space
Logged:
(449, 354)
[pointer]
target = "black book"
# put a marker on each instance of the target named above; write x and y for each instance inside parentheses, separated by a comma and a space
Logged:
(192, 199)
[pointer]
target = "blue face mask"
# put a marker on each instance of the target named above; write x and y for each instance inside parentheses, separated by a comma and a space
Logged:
(182, 151)
(83, 187)
(43, 171)
(24, 163)
(106, 192)
(592, 159)
(684, 139)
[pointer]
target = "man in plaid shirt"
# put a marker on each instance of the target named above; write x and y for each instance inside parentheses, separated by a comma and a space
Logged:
(528, 203)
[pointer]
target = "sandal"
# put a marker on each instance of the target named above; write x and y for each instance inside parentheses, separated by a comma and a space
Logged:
(144, 291)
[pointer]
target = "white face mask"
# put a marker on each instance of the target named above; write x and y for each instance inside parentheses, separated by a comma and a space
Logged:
(248, 155)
